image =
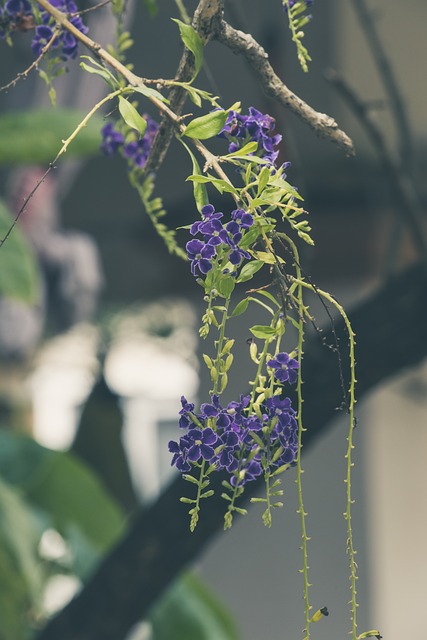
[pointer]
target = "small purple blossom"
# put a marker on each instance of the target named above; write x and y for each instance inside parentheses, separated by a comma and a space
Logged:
(254, 127)
(200, 444)
(216, 234)
(200, 255)
(136, 151)
(112, 139)
(285, 368)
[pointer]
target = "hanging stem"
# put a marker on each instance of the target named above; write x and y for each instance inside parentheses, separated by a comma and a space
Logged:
(350, 446)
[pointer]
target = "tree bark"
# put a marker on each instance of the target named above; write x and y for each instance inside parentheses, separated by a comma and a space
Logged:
(391, 336)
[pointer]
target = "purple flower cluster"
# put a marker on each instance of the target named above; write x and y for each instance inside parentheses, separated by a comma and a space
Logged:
(255, 127)
(16, 15)
(136, 150)
(230, 439)
(202, 252)
(66, 43)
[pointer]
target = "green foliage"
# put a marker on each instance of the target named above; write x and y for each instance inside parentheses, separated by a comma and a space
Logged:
(32, 137)
(66, 492)
(193, 42)
(131, 116)
(189, 611)
(21, 575)
(206, 126)
(199, 189)
(19, 274)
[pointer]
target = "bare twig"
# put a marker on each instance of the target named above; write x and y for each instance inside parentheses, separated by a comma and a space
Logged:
(32, 66)
(405, 196)
(246, 45)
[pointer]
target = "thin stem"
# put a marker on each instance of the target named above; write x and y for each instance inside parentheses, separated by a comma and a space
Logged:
(304, 536)
(32, 66)
(350, 446)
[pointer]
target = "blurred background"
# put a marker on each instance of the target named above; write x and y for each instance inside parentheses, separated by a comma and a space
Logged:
(101, 339)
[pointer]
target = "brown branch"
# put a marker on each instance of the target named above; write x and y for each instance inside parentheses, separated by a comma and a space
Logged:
(206, 15)
(244, 44)
(33, 65)
(158, 545)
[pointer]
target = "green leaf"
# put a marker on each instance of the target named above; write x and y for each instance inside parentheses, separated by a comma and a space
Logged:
(249, 270)
(206, 126)
(199, 189)
(240, 308)
(34, 137)
(226, 286)
(270, 297)
(193, 42)
(250, 147)
(263, 179)
(254, 159)
(268, 258)
(189, 611)
(99, 70)
(131, 116)
(221, 185)
(61, 486)
(19, 272)
(263, 332)
(149, 92)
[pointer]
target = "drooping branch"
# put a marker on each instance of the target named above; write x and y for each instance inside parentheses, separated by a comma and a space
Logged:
(244, 44)
(158, 545)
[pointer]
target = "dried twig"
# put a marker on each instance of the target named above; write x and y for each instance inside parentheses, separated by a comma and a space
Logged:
(33, 65)
(246, 45)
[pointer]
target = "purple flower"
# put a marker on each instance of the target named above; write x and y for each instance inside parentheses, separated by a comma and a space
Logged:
(285, 368)
(42, 37)
(15, 8)
(200, 255)
(179, 458)
(255, 127)
(112, 139)
(200, 444)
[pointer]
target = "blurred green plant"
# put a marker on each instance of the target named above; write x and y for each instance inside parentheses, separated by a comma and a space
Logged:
(19, 272)
(31, 137)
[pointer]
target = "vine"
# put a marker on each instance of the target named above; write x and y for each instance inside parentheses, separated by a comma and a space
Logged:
(261, 433)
